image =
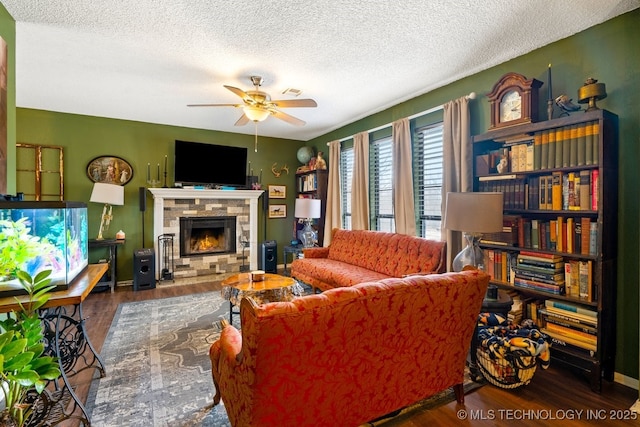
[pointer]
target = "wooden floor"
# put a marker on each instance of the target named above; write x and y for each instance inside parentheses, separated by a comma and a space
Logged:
(554, 396)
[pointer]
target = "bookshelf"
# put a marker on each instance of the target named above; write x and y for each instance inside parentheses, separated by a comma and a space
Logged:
(313, 184)
(557, 250)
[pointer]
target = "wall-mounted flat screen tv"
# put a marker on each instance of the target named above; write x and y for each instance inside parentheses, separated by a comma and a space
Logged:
(197, 163)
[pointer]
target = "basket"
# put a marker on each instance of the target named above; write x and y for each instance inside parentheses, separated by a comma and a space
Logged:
(512, 370)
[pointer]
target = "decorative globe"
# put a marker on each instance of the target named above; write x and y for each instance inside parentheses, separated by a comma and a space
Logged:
(305, 154)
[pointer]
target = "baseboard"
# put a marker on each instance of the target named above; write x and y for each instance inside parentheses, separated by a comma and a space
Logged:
(625, 380)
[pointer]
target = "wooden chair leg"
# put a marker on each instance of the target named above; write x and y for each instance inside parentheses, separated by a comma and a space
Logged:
(458, 390)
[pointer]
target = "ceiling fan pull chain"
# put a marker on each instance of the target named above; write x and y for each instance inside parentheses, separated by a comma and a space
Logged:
(256, 144)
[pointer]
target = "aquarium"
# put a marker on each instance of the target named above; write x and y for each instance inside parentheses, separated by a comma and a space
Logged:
(37, 236)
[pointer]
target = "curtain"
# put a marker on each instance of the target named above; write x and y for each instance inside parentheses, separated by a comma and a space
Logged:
(333, 212)
(360, 184)
(403, 203)
(457, 164)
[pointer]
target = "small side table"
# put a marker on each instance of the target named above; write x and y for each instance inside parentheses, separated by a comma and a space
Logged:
(295, 250)
(112, 245)
(501, 305)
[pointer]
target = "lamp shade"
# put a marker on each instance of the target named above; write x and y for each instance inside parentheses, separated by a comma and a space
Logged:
(307, 208)
(107, 193)
(256, 114)
(474, 212)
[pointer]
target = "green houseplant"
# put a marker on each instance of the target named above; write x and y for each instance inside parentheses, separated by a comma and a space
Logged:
(24, 366)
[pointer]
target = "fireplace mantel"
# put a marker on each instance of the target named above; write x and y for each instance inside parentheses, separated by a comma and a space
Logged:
(160, 195)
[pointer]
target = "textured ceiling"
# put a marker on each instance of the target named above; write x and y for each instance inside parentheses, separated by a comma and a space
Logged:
(145, 60)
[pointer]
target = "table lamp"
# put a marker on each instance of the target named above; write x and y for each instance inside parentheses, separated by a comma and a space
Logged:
(109, 194)
(473, 214)
(308, 209)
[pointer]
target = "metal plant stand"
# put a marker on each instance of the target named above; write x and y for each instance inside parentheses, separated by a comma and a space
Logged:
(165, 246)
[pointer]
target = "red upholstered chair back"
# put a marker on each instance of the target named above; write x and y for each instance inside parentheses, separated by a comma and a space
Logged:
(352, 354)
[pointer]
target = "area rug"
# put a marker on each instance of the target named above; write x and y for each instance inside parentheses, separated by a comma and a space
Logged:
(158, 369)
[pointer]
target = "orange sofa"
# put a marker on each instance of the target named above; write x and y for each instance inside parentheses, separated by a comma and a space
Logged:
(356, 256)
(347, 355)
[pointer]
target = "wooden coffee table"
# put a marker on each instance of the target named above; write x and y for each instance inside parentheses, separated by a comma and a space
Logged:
(272, 288)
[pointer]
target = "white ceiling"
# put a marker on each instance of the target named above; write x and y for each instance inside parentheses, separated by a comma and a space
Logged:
(145, 60)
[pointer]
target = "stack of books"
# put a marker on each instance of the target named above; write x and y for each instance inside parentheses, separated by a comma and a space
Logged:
(570, 326)
(540, 271)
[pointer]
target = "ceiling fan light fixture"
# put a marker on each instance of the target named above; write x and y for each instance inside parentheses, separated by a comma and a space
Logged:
(256, 114)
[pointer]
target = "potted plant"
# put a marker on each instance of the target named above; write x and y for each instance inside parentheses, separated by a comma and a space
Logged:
(24, 366)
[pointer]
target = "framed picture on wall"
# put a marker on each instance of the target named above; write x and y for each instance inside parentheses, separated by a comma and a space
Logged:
(277, 191)
(277, 211)
(109, 170)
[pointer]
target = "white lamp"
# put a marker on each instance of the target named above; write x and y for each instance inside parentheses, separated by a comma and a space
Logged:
(109, 194)
(473, 214)
(308, 209)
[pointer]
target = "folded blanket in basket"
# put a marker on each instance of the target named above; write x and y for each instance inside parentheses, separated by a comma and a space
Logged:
(508, 354)
(498, 339)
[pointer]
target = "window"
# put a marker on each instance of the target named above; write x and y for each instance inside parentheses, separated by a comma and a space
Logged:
(346, 178)
(381, 183)
(427, 170)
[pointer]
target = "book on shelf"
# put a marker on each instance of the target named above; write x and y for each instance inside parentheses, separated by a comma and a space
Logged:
(570, 316)
(551, 277)
(572, 333)
(497, 177)
(582, 141)
(558, 340)
(530, 261)
(569, 235)
(585, 190)
(569, 307)
(577, 236)
(572, 278)
(594, 189)
(537, 150)
(542, 256)
(556, 288)
(593, 238)
(551, 154)
(567, 322)
(556, 191)
(585, 224)
(581, 132)
(557, 158)
(544, 150)
(528, 156)
(567, 140)
(585, 280)
(571, 161)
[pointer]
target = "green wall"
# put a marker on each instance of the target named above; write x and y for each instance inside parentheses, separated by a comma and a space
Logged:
(84, 137)
(8, 33)
(610, 53)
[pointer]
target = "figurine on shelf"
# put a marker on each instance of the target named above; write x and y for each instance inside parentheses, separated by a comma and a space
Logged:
(320, 162)
(312, 164)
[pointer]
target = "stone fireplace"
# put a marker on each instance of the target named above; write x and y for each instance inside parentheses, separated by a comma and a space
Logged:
(211, 210)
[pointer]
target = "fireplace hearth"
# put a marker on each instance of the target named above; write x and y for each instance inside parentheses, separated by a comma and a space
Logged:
(207, 235)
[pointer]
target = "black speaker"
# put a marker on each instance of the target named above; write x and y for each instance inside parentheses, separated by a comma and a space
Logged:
(268, 256)
(144, 269)
(143, 199)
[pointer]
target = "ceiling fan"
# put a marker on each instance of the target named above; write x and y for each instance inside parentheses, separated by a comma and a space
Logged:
(257, 105)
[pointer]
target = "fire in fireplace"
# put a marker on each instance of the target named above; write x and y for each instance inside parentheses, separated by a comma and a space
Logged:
(207, 235)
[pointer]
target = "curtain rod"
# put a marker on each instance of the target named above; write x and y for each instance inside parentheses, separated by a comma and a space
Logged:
(472, 95)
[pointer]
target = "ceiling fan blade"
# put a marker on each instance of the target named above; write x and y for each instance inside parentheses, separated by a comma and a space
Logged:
(243, 120)
(214, 105)
(242, 94)
(287, 118)
(288, 103)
